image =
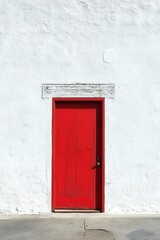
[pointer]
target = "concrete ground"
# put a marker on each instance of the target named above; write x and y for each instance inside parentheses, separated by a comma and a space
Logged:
(78, 227)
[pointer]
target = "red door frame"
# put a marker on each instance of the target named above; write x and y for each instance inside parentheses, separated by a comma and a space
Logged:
(54, 100)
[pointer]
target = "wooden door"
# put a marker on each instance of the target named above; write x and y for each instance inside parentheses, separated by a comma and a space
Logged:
(77, 155)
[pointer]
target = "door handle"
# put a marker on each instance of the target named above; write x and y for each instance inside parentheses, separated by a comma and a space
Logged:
(98, 161)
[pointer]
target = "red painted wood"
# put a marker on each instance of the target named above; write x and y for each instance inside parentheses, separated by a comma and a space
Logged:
(103, 155)
(77, 180)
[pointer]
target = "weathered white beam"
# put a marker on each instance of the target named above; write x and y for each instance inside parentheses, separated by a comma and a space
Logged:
(78, 90)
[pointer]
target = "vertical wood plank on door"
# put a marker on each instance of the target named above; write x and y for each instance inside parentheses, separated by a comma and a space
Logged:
(67, 150)
(85, 148)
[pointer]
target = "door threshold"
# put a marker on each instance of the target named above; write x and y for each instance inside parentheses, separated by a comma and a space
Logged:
(76, 211)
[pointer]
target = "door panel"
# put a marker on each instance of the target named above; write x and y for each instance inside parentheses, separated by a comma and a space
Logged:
(77, 144)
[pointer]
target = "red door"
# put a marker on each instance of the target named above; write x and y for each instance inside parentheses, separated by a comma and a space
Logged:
(77, 155)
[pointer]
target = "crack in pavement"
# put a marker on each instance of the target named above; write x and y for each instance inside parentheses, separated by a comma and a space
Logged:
(94, 234)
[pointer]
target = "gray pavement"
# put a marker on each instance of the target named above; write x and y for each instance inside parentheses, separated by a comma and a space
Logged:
(88, 228)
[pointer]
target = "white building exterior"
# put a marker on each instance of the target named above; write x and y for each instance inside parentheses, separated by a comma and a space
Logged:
(68, 42)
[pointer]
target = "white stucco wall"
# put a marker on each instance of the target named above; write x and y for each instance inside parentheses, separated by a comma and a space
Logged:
(101, 41)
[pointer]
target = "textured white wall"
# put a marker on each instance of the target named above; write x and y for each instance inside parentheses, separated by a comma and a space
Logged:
(100, 41)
